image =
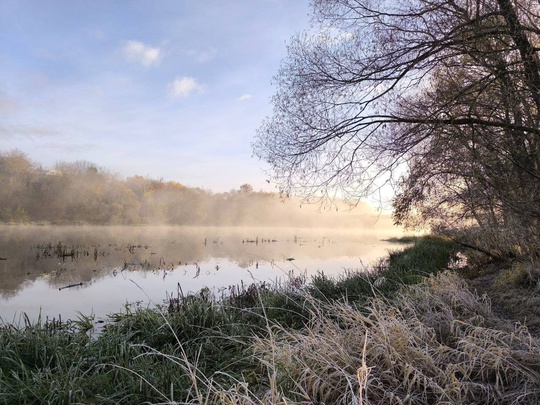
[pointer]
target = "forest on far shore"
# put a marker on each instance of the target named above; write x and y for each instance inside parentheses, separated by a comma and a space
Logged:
(82, 193)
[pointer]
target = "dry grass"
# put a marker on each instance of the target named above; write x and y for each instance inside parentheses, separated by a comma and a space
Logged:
(436, 342)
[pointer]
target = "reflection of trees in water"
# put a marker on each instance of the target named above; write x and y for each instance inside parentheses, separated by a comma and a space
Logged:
(70, 255)
(66, 255)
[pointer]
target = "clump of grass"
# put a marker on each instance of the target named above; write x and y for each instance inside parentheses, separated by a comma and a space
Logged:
(436, 342)
(522, 273)
(40, 359)
(428, 255)
(403, 239)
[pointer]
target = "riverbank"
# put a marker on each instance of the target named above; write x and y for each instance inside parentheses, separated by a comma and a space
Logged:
(407, 330)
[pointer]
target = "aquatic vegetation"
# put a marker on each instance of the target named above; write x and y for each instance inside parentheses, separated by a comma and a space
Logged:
(430, 340)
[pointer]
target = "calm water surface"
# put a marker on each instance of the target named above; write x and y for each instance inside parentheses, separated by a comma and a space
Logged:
(60, 271)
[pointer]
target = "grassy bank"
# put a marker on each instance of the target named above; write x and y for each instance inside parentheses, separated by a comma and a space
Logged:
(406, 331)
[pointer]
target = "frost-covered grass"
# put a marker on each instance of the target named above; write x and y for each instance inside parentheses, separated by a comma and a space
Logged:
(405, 331)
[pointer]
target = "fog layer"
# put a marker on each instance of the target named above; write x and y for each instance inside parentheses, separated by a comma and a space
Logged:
(82, 193)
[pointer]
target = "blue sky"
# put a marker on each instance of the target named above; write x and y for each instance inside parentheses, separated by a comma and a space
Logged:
(171, 89)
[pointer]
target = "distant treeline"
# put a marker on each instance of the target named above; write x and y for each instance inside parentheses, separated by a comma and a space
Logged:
(82, 193)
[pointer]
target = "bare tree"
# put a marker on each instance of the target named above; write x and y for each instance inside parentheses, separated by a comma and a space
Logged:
(442, 95)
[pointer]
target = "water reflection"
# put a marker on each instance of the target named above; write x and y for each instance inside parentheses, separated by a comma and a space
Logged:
(62, 270)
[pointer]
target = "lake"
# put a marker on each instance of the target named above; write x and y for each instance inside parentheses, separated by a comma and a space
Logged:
(59, 271)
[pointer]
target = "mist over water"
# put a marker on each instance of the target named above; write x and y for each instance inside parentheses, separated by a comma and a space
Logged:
(81, 192)
(62, 270)
(140, 239)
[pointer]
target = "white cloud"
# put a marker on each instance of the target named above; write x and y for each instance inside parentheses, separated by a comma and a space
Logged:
(136, 51)
(245, 97)
(184, 86)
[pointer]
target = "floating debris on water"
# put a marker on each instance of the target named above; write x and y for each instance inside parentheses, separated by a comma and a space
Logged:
(71, 286)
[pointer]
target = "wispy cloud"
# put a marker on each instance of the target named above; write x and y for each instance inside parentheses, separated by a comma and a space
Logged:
(139, 52)
(97, 34)
(199, 55)
(71, 147)
(207, 55)
(26, 132)
(184, 86)
(245, 97)
(7, 105)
